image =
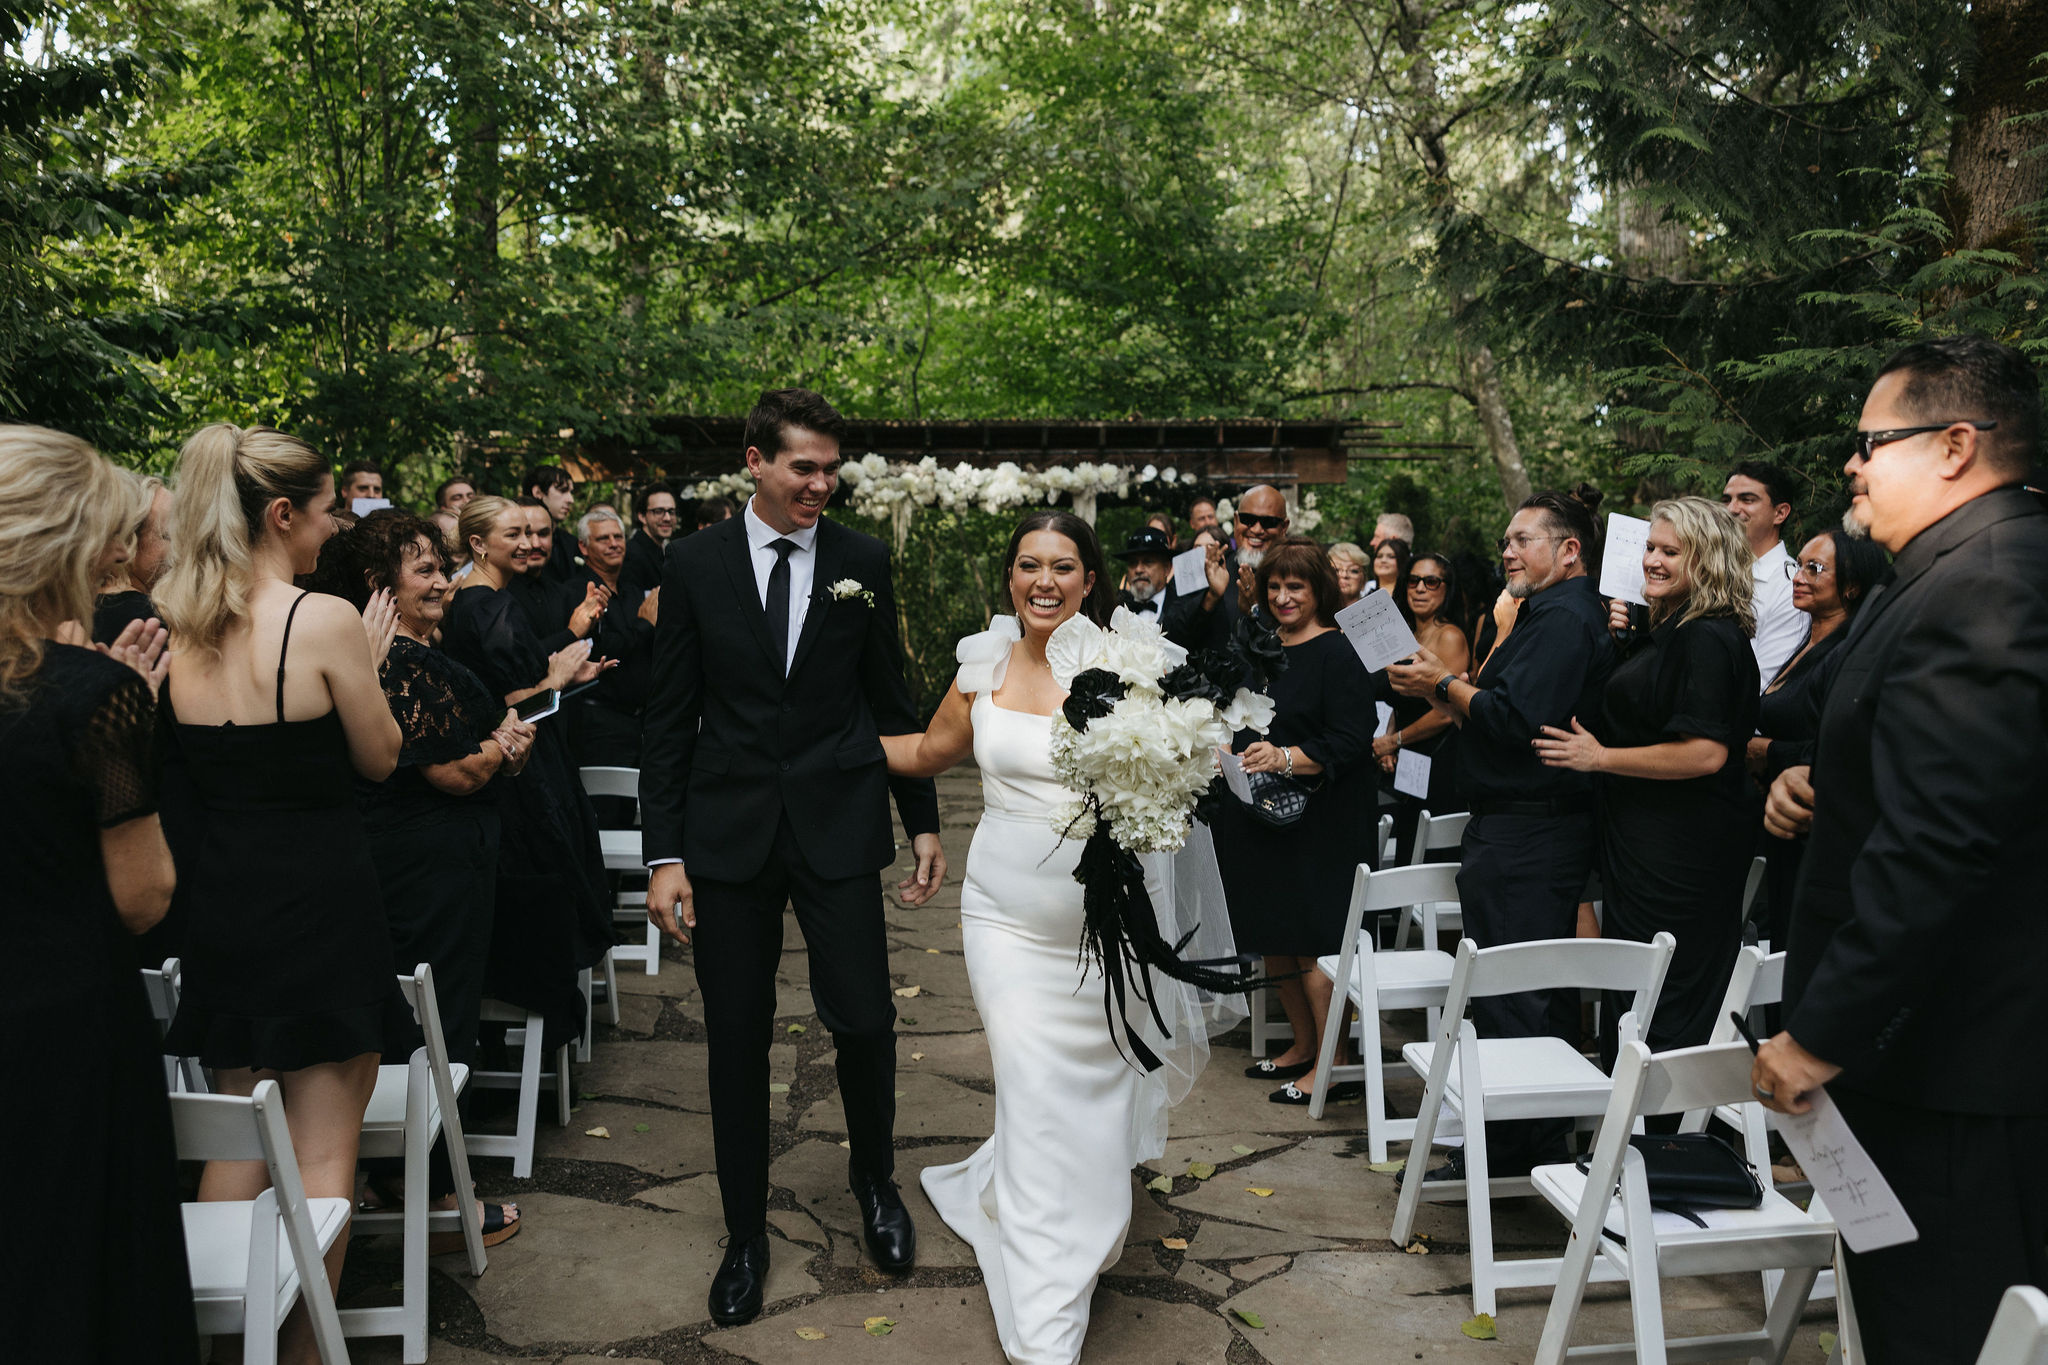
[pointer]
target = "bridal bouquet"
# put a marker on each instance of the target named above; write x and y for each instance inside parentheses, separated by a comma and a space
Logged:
(1136, 742)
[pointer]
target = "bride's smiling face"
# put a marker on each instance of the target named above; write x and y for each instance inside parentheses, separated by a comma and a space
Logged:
(1047, 580)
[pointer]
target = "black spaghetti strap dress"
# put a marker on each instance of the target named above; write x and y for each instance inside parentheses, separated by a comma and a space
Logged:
(287, 955)
(92, 1264)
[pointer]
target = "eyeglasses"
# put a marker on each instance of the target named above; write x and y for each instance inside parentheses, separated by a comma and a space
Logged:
(660, 513)
(1812, 568)
(1868, 441)
(1246, 519)
(1523, 541)
(1430, 581)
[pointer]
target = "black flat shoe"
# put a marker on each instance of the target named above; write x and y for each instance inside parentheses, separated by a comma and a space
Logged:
(1341, 1092)
(885, 1226)
(1264, 1070)
(736, 1288)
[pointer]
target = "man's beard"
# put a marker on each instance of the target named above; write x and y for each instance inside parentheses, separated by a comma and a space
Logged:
(1250, 559)
(1142, 591)
(1859, 530)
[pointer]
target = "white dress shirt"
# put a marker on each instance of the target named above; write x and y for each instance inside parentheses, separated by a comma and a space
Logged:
(803, 569)
(1780, 626)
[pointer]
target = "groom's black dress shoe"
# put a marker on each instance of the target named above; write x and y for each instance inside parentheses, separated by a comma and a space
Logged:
(736, 1288)
(885, 1224)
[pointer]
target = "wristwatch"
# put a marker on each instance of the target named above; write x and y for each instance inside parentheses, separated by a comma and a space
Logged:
(1443, 688)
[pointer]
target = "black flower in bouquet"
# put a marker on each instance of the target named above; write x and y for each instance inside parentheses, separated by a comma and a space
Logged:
(1188, 682)
(1094, 693)
(1258, 647)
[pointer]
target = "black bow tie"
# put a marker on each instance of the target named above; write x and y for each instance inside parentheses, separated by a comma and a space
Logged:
(1152, 605)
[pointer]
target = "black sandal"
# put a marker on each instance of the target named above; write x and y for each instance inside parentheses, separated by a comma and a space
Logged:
(1264, 1070)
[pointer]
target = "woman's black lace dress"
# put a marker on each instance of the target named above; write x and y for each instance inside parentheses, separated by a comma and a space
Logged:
(92, 1266)
(553, 905)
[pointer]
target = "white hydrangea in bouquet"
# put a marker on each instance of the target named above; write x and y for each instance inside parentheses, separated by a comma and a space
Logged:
(1136, 743)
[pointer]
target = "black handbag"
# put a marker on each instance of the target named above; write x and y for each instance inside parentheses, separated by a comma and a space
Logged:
(1691, 1171)
(1278, 800)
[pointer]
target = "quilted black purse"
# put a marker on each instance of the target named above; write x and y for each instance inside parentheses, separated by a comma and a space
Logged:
(1278, 800)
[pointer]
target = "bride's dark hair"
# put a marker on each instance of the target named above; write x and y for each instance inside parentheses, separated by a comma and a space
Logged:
(1102, 599)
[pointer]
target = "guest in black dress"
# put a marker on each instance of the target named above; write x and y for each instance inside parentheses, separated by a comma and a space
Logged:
(1666, 749)
(124, 594)
(553, 915)
(1833, 574)
(93, 1265)
(1417, 726)
(1290, 889)
(288, 967)
(433, 824)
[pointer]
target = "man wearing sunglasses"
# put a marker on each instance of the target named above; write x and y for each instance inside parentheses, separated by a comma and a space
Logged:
(1919, 940)
(1206, 620)
(1759, 495)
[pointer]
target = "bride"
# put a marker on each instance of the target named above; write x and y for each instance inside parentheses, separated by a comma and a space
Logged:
(1046, 1201)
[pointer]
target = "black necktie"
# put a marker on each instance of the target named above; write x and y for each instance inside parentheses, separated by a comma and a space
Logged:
(778, 602)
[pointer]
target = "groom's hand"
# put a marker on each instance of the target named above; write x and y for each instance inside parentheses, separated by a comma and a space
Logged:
(671, 900)
(921, 885)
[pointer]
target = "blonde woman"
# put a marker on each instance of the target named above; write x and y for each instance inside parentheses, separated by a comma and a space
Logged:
(288, 967)
(103, 1275)
(1676, 824)
(124, 591)
(1353, 569)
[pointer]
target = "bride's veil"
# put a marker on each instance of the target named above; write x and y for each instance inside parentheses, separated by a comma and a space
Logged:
(1187, 897)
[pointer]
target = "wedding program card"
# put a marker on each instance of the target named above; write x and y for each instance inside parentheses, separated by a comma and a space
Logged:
(362, 507)
(1386, 715)
(1191, 571)
(1376, 631)
(1621, 563)
(1411, 774)
(1844, 1177)
(1233, 775)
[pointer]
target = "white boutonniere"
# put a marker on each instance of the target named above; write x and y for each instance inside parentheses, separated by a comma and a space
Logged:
(846, 589)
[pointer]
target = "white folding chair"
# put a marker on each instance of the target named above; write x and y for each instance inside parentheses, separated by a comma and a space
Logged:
(1258, 1003)
(251, 1260)
(182, 1075)
(411, 1106)
(631, 906)
(1642, 1247)
(2019, 1334)
(1478, 1079)
(1375, 981)
(1433, 833)
(524, 1035)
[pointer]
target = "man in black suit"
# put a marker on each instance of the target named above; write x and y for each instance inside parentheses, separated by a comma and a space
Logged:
(776, 671)
(656, 513)
(1208, 620)
(1919, 942)
(1148, 572)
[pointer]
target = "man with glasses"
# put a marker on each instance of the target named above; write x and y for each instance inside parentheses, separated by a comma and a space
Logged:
(1207, 620)
(1918, 941)
(1760, 497)
(1528, 848)
(656, 513)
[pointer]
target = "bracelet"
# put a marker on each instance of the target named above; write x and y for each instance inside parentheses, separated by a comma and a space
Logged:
(1289, 752)
(1399, 743)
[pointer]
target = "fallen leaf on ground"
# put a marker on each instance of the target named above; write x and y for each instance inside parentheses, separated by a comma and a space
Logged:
(600, 1132)
(917, 1056)
(1387, 1167)
(1248, 1318)
(587, 1095)
(1479, 1328)
(899, 1094)
(798, 1028)
(847, 1145)
(1174, 1243)
(933, 951)
(1163, 1184)
(639, 1127)
(910, 992)
(1242, 1150)
(1416, 1249)
(777, 1088)
(879, 1327)
(910, 1021)
(1201, 1170)
(810, 1334)
(1261, 1193)
(1827, 1343)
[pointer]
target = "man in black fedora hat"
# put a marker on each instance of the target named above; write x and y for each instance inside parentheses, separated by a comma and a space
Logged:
(1148, 572)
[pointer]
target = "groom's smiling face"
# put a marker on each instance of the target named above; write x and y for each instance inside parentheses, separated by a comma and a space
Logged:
(792, 487)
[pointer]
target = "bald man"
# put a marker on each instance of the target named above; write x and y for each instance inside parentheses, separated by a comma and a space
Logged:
(1205, 621)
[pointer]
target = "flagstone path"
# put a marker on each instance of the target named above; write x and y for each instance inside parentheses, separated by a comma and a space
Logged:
(622, 1231)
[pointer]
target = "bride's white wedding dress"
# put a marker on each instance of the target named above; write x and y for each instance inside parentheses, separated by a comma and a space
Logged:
(1046, 1201)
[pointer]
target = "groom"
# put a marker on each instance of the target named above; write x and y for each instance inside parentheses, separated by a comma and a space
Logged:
(762, 784)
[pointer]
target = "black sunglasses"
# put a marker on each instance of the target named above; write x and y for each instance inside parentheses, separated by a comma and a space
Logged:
(1868, 441)
(1430, 581)
(1262, 523)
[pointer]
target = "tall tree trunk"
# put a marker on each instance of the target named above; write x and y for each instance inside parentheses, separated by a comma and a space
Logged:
(1483, 376)
(1992, 175)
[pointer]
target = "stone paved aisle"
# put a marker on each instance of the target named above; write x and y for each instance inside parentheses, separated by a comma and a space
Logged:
(622, 1231)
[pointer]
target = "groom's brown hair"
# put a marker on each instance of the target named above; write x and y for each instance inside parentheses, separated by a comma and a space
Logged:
(777, 410)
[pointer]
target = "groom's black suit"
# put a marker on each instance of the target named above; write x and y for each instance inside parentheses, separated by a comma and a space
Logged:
(773, 791)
